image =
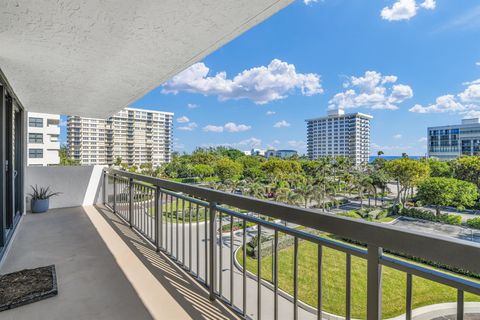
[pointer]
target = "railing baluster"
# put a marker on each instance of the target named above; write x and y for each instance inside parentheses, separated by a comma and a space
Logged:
(198, 241)
(114, 193)
(348, 286)
(244, 266)
(130, 201)
(374, 283)
(206, 245)
(104, 191)
(167, 212)
(171, 225)
(231, 260)
(183, 231)
(220, 258)
(460, 305)
(275, 275)
(177, 228)
(158, 217)
(408, 302)
(190, 236)
(259, 272)
(295, 278)
(319, 282)
(213, 244)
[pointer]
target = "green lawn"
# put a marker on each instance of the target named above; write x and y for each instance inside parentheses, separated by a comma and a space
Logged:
(424, 292)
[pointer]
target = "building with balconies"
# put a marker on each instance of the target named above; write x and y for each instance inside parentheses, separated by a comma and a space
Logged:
(339, 134)
(136, 136)
(43, 133)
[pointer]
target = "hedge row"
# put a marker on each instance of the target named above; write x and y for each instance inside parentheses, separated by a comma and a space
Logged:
(474, 223)
(452, 219)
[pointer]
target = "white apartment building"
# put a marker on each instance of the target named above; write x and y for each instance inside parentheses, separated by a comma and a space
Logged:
(43, 139)
(452, 141)
(136, 136)
(339, 134)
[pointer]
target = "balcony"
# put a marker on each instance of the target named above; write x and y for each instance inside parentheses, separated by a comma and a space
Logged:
(148, 240)
(104, 271)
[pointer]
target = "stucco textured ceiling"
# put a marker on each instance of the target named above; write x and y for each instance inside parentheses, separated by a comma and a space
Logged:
(94, 57)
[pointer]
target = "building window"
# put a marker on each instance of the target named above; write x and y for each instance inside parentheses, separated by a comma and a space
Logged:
(35, 122)
(35, 138)
(35, 153)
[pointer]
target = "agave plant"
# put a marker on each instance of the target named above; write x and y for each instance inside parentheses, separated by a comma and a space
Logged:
(41, 193)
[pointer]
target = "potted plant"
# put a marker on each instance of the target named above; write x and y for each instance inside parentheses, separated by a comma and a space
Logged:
(40, 198)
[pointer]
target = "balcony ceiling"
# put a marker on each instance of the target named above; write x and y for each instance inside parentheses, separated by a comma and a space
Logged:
(94, 57)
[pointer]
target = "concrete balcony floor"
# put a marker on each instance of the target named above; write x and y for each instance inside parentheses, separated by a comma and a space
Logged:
(104, 271)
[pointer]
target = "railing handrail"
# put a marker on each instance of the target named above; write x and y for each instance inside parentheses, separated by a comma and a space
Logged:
(441, 249)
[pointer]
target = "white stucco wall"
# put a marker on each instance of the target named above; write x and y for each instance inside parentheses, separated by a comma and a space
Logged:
(80, 185)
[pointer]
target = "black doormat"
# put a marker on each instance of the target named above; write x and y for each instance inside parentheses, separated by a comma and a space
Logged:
(27, 286)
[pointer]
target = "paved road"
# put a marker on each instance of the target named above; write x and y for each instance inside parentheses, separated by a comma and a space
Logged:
(438, 228)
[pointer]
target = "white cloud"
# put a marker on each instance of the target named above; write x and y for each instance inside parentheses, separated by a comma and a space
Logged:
(183, 119)
(446, 103)
(299, 144)
(270, 113)
(228, 127)
(373, 90)
(276, 141)
(405, 9)
(397, 136)
(423, 139)
(212, 128)
(259, 84)
(251, 142)
(428, 4)
(281, 124)
(471, 114)
(472, 93)
(400, 10)
(233, 127)
(477, 64)
(192, 106)
(188, 127)
(309, 2)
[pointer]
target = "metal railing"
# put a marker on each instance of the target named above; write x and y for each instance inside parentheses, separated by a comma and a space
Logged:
(187, 222)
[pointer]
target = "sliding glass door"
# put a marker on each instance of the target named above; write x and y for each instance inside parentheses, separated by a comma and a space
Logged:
(11, 164)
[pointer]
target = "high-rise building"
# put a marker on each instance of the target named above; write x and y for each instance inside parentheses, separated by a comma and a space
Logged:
(43, 139)
(452, 141)
(136, 136)
(339, 134)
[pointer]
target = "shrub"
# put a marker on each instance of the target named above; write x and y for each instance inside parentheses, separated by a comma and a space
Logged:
(474, 223)
(350, 214)
(430, 216)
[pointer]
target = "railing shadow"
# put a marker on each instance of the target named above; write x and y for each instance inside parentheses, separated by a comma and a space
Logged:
(188, 293)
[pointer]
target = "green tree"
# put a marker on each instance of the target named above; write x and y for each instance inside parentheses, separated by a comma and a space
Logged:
(439, 168)
(226, 168)
(65, 160)
(468, 169)
(146, 168)
(408, 174)
(202, 171)
(306, 191)
(440, 191)
(118, 161)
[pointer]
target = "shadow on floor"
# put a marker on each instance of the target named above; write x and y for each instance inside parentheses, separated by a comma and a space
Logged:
(188, 293)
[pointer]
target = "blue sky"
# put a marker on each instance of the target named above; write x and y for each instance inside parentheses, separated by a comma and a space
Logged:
(411, 64)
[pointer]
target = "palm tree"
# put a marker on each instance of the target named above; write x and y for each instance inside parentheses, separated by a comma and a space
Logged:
(306, 191)
(256, 190)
